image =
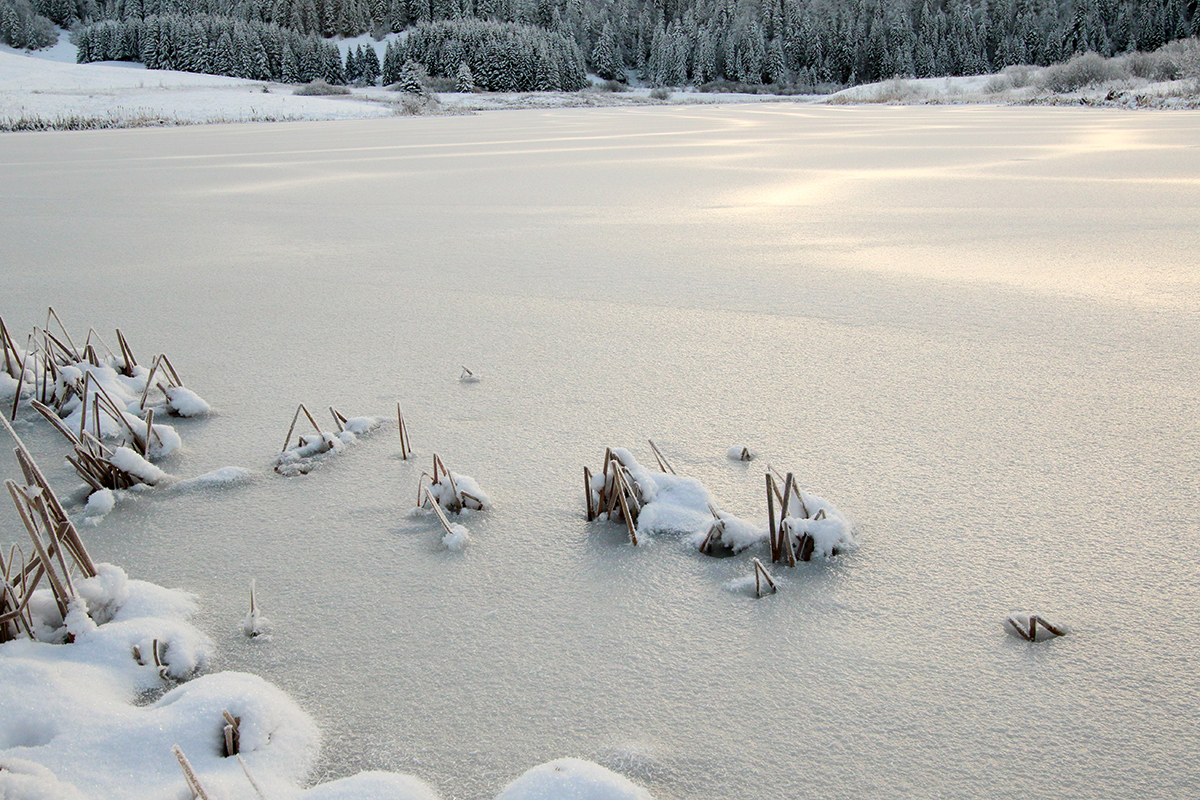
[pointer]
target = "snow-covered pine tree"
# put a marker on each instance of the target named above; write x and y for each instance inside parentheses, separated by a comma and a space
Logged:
(369, 65)
(410, 79)
(606, 55)
(464, 81)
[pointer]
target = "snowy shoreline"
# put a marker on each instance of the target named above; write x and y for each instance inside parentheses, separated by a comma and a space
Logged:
(47, 90)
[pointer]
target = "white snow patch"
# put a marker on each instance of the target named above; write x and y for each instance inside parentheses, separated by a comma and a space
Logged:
(100, 503)
(457, 539)
(217, 479)
(372, 786)
(129, 461)
(186, 403)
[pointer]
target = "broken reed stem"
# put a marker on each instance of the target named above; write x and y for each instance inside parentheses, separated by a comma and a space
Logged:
(126, 354)
(338, 419)
(20, 383)
(232, 736)
(663, 464)
(292, 427)
(760, 575)
(771, 518)
(189, 775)
(246, 771)
(437, 509)
(405, 445)
(587, 493)
(52, 314)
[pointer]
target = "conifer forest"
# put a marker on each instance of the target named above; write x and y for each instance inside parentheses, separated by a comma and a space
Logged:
(527, 45)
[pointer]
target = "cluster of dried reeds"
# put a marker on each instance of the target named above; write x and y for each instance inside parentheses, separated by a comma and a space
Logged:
(618, 496)
(785, 544)
(444, 492)
(58, 550)
(615, 494)
(93, 460)
(47, 353)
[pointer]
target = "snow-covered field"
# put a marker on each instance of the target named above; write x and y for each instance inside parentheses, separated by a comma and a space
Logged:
(48, 85)
(971, 329)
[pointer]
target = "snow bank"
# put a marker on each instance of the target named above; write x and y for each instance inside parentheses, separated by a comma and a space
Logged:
(75, 721)
(572, 779)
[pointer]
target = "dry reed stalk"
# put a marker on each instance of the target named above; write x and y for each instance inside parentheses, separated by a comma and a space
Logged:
(52, 314)
(405, 444)
(161, 362)
(338, 419)
(663, 464)
(62, 596)
(761, 575)
(56, 518)
(1034, 621)
(189, 775)
(587, 493)
(11, 361)
(126, 355)
(20, 381)
(466, 373)
(771, 492)
(295, 417)
(253, 783)
(437, 509)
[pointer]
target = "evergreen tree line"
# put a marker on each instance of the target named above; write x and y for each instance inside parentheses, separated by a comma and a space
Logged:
(498, 56)
(672, 42)
(858, 41)
(213, 45)
(22, 26)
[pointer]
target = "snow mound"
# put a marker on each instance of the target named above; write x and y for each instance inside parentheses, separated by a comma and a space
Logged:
(185, 403)
(457, 539)
(572, 779)
(128, 461)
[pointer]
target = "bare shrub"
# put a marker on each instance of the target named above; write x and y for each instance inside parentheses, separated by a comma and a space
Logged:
(320, 88)
(416, 105)
(1019, 75)
(1081, 71)
(997, 84)
(1182, 58)
(896, 90)
(660, 93)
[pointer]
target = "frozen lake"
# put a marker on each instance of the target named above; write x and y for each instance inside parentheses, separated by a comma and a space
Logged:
(973, 329)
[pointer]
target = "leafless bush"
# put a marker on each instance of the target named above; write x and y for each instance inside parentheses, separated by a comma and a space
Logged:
(1019, 75)
(320, 88)
(997, 84)
(660, 93)
(1081, 71)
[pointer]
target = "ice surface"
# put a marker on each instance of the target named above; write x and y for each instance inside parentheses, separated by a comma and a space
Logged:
(971, 328)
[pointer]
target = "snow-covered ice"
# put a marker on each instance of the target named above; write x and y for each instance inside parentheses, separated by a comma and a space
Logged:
(971, 328)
